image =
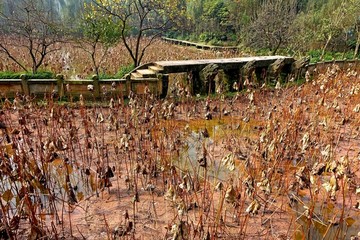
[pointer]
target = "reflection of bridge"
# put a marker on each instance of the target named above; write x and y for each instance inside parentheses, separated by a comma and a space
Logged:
(231, 67)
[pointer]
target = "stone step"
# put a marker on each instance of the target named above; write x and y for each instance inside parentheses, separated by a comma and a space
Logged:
(135, 75)
(146, 73)
(156, 68)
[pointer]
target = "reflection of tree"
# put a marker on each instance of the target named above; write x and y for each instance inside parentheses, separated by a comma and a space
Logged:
(31, 27)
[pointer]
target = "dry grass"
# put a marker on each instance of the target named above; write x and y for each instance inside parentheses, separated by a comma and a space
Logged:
(73, 61)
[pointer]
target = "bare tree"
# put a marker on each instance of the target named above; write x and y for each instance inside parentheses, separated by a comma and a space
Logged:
(99, 33)
(30, 27)
(140, 21)
(271, 28)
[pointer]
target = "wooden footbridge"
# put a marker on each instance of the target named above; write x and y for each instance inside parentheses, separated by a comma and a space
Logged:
(232, 68)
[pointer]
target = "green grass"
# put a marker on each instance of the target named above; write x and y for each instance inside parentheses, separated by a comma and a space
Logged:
(120, 74)
(17, 75)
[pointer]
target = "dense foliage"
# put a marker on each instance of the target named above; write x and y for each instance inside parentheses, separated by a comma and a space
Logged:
(297, 25)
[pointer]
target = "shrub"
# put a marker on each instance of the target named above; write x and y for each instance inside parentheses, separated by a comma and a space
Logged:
(120, 74)
(17, 75)
(315, 56)
(41, 75)
(206, 37)
(349, 55)
(124, 70)
(9, 75)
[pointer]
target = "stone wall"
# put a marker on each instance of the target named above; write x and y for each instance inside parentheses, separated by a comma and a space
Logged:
(343, 64)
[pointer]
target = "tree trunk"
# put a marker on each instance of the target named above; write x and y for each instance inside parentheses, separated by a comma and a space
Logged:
(325, 46)
(277, 47)
(94, 63)
(356, 51)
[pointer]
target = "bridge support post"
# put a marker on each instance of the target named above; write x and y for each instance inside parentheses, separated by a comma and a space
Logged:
(260, 74)
(25, 84)
(163, 84)
(231, 76)
(276, 70)
(207, 77)
(287, 71)
(60, 84)
(298, 68)
(96, 85)
(193, 79)
(127, 85)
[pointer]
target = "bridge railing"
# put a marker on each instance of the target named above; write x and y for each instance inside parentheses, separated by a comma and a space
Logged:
(90, 88)
(199, 45)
